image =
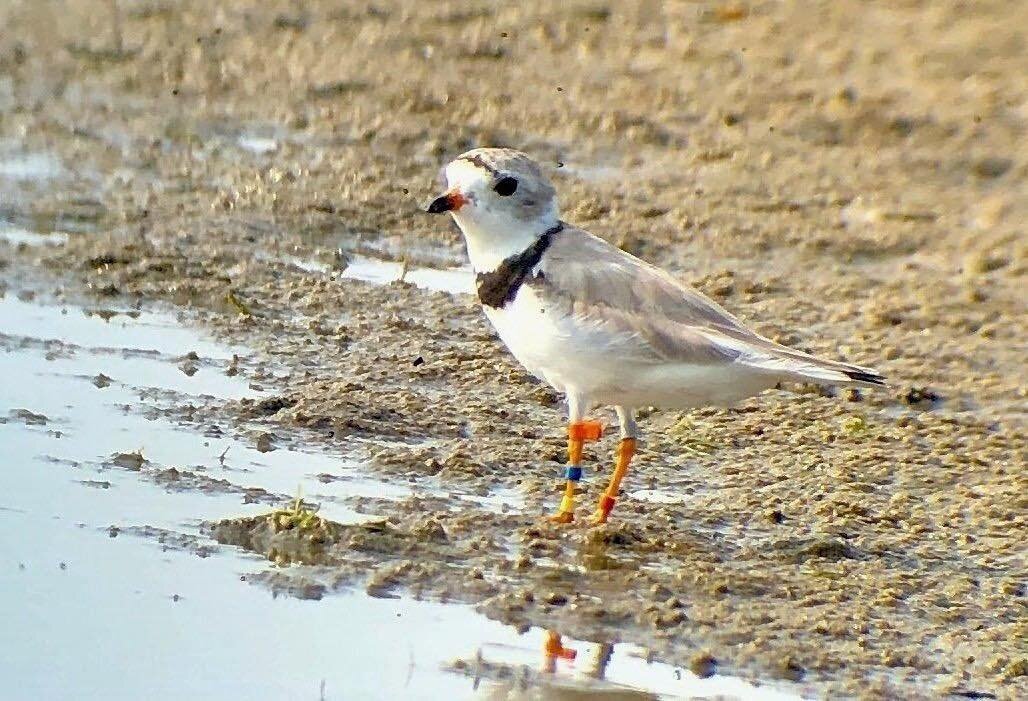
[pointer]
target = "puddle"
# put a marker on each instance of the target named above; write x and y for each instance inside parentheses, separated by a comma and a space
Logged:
(106, 329)
(178, 626)
(660, 496)
(452, 280)
(29, 167)
(88, 538)
(258, 144)
(16, 236)
(383, 272)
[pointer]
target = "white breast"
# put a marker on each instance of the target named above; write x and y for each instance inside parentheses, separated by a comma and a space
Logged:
(567, 352)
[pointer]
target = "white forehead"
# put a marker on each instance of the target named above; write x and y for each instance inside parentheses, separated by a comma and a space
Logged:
(462, 173)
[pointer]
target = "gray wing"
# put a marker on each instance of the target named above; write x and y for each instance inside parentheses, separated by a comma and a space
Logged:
(599, 283)
(670, 321)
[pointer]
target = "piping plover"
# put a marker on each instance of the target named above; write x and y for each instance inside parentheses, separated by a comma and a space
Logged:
(598, 324)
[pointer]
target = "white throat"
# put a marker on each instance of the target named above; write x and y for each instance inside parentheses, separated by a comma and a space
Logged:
(488, 247)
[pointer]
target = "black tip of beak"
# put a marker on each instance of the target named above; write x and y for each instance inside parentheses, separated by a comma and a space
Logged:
(440, 205)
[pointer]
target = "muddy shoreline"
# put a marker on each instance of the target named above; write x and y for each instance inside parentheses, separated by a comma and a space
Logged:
(834, 192)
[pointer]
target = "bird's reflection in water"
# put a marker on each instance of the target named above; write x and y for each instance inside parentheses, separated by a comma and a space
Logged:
(553, 650)
(563, 675)
(556, 668)
(593, 666)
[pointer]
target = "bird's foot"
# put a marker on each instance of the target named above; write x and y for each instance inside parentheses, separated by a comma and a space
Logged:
(603, 510)
(562, 517)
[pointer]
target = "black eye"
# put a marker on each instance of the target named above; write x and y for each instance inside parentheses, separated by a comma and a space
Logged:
(506, 186)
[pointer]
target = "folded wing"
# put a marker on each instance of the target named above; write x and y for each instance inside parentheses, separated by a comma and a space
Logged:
(668, 321)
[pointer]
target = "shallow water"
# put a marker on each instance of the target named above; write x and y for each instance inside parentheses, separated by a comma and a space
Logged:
(106, 567)
(452, 280)
(16, 235)
(258, 145)
(382, 272)
(29, 167)
(43, 199)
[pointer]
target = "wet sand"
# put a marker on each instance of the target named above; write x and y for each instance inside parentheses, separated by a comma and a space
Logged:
(849, 179)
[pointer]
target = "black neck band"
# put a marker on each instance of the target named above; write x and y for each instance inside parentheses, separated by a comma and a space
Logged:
(500, 286)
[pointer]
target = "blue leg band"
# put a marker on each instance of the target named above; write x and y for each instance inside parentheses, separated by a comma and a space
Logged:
(573, 473)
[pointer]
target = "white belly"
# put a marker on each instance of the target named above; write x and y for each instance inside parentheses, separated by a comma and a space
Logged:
(606, 367)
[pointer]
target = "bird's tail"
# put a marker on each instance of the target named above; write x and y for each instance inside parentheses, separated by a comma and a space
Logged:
(766, 356)
(798, 366)
(837, 374)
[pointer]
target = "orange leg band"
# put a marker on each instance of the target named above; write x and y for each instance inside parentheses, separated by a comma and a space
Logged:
(585, 431)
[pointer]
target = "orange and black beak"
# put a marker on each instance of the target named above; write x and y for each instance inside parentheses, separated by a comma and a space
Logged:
(450, 202)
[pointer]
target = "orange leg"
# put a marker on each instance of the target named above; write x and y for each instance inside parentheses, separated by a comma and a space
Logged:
(626, 449)
(578, 433)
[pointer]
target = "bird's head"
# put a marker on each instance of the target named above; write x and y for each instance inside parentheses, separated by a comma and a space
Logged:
(500, 199)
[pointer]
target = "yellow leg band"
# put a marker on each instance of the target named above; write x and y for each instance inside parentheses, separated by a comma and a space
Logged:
(566, 510)
(567, 503)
